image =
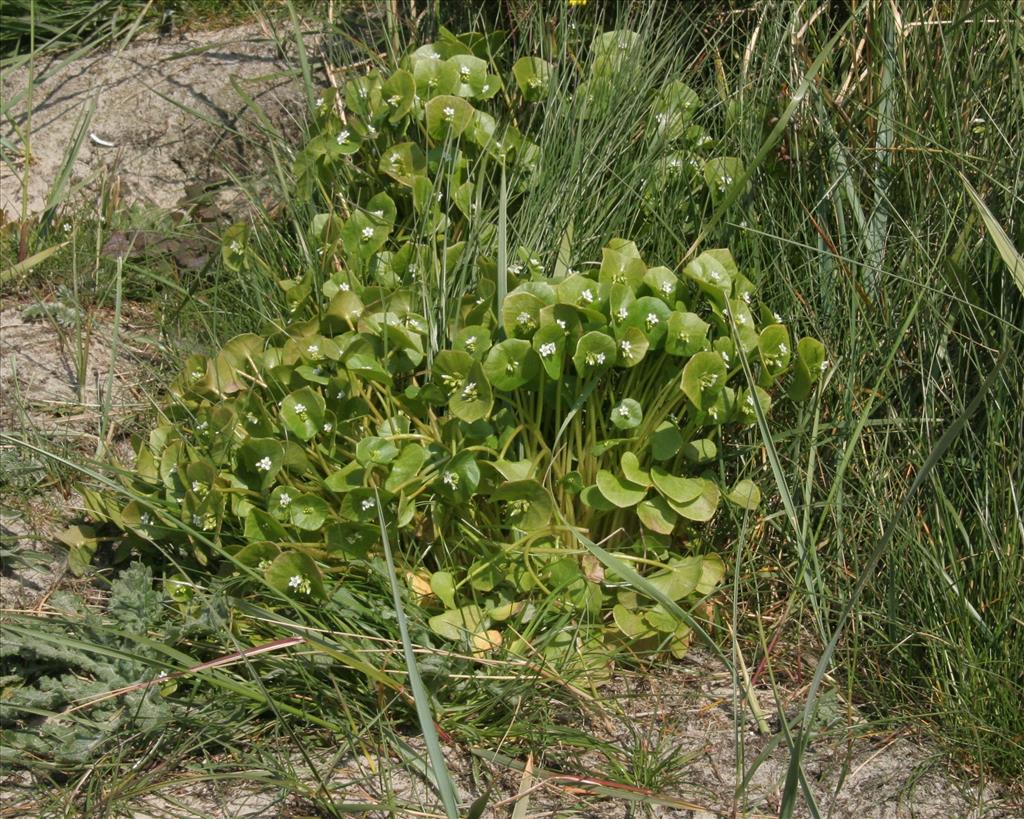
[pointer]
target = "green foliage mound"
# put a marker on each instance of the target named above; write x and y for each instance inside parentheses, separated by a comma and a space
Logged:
(493, 413)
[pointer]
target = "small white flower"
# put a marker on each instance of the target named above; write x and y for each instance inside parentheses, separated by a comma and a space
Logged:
(448, 112)
(651, 320)
(264, 464)
(750, 399)
(469, 391)
(67, 227)
(235, 247)
(300, 408)
(299, 583)
(783, 349)
(451, 479)
(824, 365)
(319, 102)
(339, 394)
(666, 288)
(433, 55)
(328, 427)
(621, 313)
(197, 487)
(367, 504)
(742, 319)
(393, 100)
(464, 71)
(197, 520)
(600, 358)
(675, 163)
(470, 342)
(344, 287)
(145, 519)
(285, 499)
(377, 214)
(523, 318)
(662, 119)
(623, 411)
(715, 276)
(313, 349)
(367, 233)
(626, 347)
(343, 137)
(371, 130)
(587, 295)
(395, 158)
(197, 374)
(560, 323)
(363, 93)
(725, 357)
(515, 268)
(202, 426)
(777, 317)
(485, 88)
(548, 350)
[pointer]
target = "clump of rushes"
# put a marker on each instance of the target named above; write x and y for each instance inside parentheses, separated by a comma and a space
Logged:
(487, 433)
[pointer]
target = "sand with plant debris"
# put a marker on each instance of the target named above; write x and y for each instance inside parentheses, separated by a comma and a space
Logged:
(158, 116)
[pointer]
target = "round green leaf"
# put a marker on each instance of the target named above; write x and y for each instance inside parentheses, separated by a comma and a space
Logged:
(631, 471)
(374, 450)
(618, 490)
(458, 624)
(448, 116)
(595, 353)
(549, 344)
(704, 378)
(398, 94)
(532, 75)
(745, 494)
(303, 413)
(700, 451)
(775, 348)
(649, 315)
(627, 414)
(259, 460)
(701, 508)
(460, 477)
(676, 489)
(296, 575)
(442, 584)
(666, 441)
(406, 467)
(308, 512)
(810, 364)
(529, 506)
(657, 515)
(687, 334)
(510, 364)
(520, 313)
(404, 162)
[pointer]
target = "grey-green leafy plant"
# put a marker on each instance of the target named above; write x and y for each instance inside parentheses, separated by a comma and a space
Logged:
(47, 668)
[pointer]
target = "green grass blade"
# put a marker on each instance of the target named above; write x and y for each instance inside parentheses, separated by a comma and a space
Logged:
(1013, 260)
(442, 777)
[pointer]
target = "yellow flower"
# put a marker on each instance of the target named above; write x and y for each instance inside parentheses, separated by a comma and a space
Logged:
(577, 2)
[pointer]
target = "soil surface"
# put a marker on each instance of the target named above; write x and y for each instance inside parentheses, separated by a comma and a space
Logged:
(157, 116)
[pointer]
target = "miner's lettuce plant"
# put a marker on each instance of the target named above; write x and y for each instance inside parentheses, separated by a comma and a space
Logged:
(493, 426)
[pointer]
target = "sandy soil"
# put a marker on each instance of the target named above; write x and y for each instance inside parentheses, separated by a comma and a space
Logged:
(685, 710)
(167, 105)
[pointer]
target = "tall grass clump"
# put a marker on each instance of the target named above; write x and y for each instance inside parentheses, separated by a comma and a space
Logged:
(862, 226)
